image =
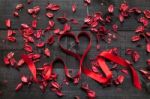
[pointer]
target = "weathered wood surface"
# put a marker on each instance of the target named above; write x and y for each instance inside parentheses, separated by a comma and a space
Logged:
(124, 91)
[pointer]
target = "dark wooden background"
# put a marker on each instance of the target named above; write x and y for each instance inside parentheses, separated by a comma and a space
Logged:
(126, 30)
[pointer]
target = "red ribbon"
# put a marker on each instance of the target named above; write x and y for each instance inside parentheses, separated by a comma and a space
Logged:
(124, 63)
(31, 66)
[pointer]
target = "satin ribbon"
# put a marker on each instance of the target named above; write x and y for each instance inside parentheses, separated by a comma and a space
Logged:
(125, 63)
(97, 77)
(31, 66)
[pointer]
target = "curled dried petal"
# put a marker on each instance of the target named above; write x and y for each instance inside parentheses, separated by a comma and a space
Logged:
(8, 23)
(147, 13)
(53, 7)
(24, 79)
(144, 21)
(28, 48)
(34, 23)
(74, 7)
(111, 8)
(140, 29)
(49, 15)
(124, 7)
(19, 6)
(19, 86)
(135, 38)
(148, 47)
(135, 56)
(47, 52)
(148, 62)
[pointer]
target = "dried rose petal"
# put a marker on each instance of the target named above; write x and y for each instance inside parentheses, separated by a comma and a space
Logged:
(62, 19)
(38, 34)
(6, 61)
(34, 23)
(20, 62)
(19, 6)
(55, 85)
(129, 51)
(51, 23)
(12, 61)
(121, 18)
(135, 56)
(11, 38)
(124, 7)
(91, 94)
(24, 26)
(147, 13)
(53, 7)
(47, 52)
(8, 23)
(148, 62)
(77, 97)
(28, 48)
(56, 31)
(24, 79)
(30, 39)
(140, 29)
(50, 15)
(51, 40)
(144, 21)
(148, 34)
(19, 86)
(67, 27)
(120, 79)
(74, 7)
(87, 1)
(148, 47)
(74, 21)
(10, 55)
(115, 27)
(36, 56)
(16, 14)
(135, 38)
(111, 8)
(41, 44)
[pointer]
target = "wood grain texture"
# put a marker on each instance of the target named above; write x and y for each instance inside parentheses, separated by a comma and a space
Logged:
(126, 30)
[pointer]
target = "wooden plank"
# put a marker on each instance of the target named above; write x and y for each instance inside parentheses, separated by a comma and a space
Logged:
(129, 24)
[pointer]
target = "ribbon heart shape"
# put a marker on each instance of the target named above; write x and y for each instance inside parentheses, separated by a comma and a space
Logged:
(97, 77)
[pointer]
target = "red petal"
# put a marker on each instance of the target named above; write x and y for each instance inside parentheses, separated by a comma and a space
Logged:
(47, 52)
(74, 7)
(55, 85)
(19, 6)
(20, 62)
(111, 8)
(6, 61)
(135, 38)
(148, 62)
(41, 44)
(11, 39)
(140, 29)
(50, 15)
(135, 56)
(24, 79)
(51, 40)
(19, 86)
(124, 7)
(147, 13)
(148, 34)
(34, 23)
(120, 79)
(16, 14)
(56, 31)
(87, 1)
(28, 48)
(53, 7)
(148, 47)
(51, 23)
(67, 27)
(144, 21)
(8, 23)
(121, 18)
